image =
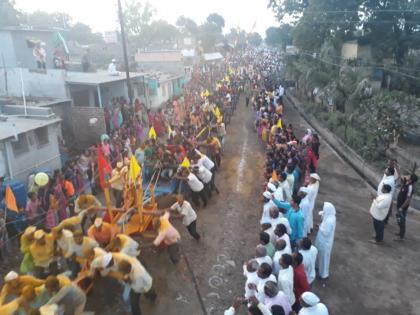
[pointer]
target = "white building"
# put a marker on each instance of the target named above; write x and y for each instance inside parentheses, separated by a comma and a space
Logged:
(28, 142)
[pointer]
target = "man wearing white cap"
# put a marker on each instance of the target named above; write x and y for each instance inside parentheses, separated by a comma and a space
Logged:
(112, 68)
(43, 254)
(311, 305)
(14, 284)
(313, 189)
(101, 232)
(268, 204)
(305, 207)
(325, 239)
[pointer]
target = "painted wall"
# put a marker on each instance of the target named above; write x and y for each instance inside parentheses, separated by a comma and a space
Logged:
(7, 50)
(36, 84)
(44, 156)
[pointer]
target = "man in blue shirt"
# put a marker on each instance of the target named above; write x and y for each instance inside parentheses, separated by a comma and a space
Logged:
(295, 217)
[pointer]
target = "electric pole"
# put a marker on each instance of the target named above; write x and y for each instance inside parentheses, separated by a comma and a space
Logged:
(124, 45)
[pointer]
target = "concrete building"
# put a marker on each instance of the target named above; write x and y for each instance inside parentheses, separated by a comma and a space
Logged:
(355, 49)
(165, 61)
(17, 45)
(28, 141)
(97, 89)
(163, 87)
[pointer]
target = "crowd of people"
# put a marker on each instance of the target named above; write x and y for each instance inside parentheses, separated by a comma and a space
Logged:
(286, 263)
(70, 240)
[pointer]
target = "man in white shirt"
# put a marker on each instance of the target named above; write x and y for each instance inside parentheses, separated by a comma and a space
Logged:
(189, 216)
(256, 307)
(250, 273)
(196, 186)
(268, 204)
(285, 277)
(261, 255)
(379, 210)
(264, 274)
(305, 207)
(281, 233)
(139, 280)
(281, 248)
(311, 305)
(309, 253)
(112, 68)
(204, 175)
(284, 184)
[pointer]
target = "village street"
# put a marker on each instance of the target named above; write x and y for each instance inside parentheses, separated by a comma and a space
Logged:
(364, 278)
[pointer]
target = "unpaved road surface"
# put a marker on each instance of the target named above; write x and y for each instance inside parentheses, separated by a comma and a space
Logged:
(364, 278)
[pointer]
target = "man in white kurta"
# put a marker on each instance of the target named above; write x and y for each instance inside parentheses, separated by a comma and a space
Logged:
(305, 207)
(309, 254)
(285, 277)
(325, 239)
(313, 189)
(268, 204)
(311, 305)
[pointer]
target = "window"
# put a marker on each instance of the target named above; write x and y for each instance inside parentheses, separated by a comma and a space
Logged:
(21, 145)
(41, 135)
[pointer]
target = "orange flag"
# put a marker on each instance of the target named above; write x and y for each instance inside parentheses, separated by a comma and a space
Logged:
(274, 176)
(10, 200)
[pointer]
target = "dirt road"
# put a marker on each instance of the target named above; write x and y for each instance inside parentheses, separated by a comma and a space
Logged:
(364, 278)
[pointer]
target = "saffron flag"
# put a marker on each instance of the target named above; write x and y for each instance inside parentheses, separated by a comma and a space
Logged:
(103, 168)
(185, 163)
(134, 169)
(274, 176)
(10, 200)
(152, 133)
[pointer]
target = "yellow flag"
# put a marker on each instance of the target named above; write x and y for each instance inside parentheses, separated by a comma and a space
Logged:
(227, 78)
(134, 169)
(217, 113)
(185, 163)
(279, 123)
(152, 133)
(169, 129)
(206, 93)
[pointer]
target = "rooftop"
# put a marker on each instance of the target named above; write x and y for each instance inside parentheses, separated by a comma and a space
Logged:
(28, 28)
(159, 56)
(212, 56)
(96, 78)
(163, 76)
(13, 121)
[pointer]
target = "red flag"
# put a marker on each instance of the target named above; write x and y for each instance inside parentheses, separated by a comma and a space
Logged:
(103, 168)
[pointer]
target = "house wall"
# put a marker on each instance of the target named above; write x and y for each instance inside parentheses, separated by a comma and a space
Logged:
(43, 157)
(7, 50)
(3, 161)
(171, 67)
(36, 84)
(349, 50)
(23, 52)
(84, 133)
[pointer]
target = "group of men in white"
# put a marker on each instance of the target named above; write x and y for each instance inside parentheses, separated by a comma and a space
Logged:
(280, 276)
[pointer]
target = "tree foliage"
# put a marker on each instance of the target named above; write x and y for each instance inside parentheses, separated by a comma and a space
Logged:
(279, 36)
(45, 19)
(187, 26)
(83, 34)
(254, 39)
(138, 17)
(217, 20)
(9, 16)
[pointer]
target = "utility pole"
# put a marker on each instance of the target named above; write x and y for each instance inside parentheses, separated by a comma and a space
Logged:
(124, 45)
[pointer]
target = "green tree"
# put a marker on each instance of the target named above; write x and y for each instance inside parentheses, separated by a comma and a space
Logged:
(272, 36)
(44, 19)
(187, 25)
(217, 20)
(9, 16)
(209, 35)
(162, 32)
(138, 17)
(254, 39)
(83, 34)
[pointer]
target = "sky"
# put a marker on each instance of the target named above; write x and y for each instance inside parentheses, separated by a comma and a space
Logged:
(101, 15)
